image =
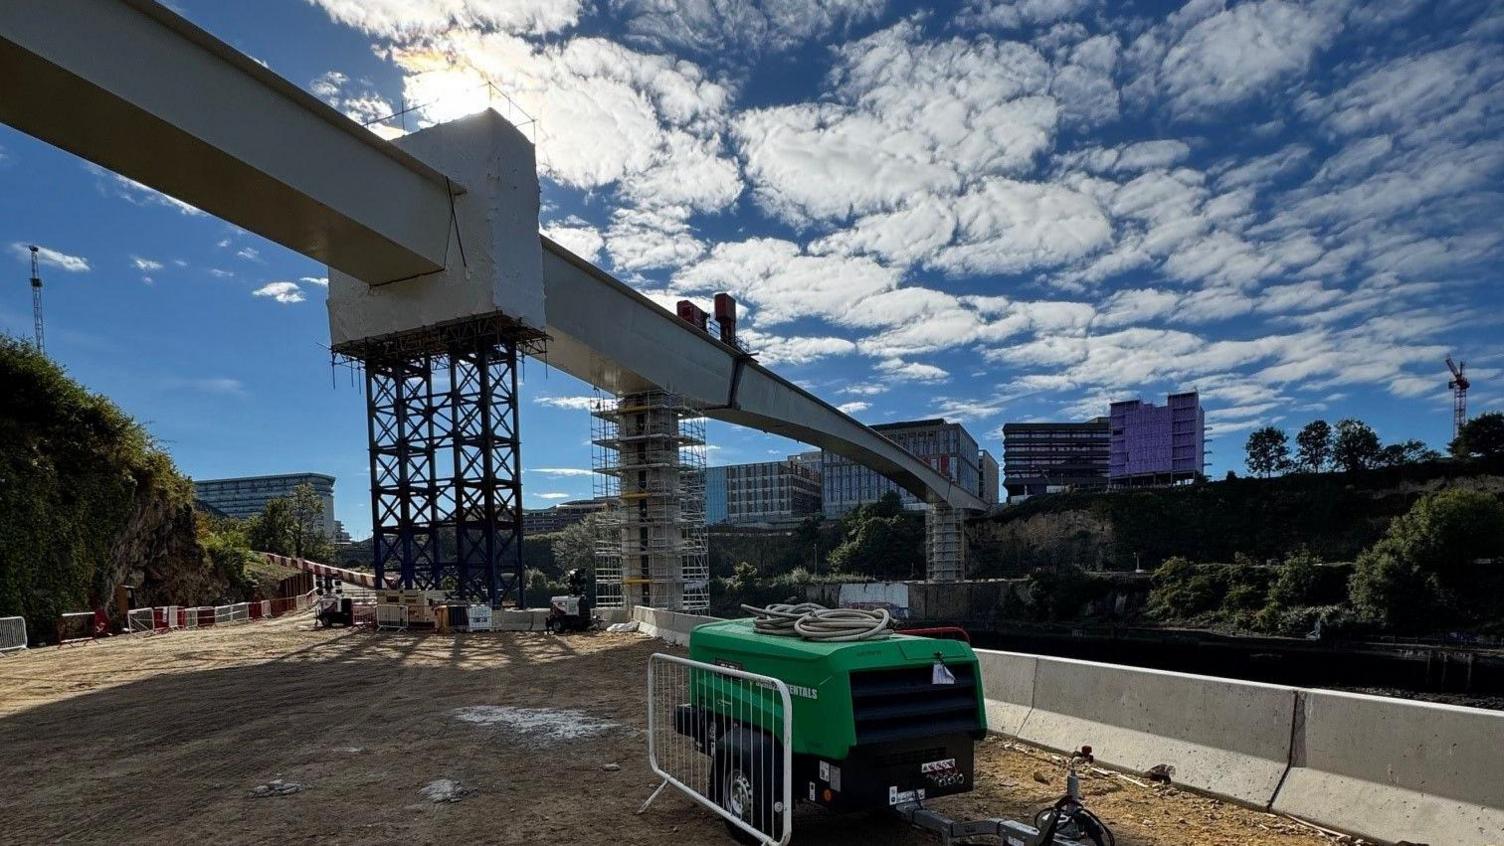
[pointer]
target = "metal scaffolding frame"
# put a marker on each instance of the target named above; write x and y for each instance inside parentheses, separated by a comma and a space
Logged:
(649, 457)
(445, 452)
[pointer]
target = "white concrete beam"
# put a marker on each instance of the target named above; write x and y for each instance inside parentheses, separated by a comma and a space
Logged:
(605, 333)
(133, 87)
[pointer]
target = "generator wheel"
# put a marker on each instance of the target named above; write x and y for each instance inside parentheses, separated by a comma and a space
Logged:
(749, 782)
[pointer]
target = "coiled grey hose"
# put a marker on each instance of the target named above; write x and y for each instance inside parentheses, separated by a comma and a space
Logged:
(812, 621)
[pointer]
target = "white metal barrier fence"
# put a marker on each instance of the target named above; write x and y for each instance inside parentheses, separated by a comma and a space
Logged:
(12, 634)
(138, 620)
(75, 626)
(721, 736)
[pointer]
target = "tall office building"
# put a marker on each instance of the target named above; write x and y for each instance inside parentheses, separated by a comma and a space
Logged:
(773, 493)
(1050, 457)
(1157, 444)
(947, 447)
(990, 481)
(247, 496)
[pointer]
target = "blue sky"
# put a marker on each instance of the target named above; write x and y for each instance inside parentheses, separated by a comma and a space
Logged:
(991, 210)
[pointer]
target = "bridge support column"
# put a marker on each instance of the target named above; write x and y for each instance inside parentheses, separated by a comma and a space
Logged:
(650, 466)
(944, 543)
(446, 475)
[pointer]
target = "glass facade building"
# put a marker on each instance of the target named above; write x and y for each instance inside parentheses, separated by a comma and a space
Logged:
(767, 493)
(247, 496)
(947, 447)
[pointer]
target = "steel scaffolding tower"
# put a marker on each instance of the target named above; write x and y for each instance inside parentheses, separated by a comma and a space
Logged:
(649, 451)
(944, 543)
(446, 475)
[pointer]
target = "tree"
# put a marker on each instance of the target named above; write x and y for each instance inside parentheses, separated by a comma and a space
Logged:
(1313, 446)
(1481, 437)
(1421, 569)
(308, 538)
(1268, 451)
(1356, 446)
(574, 546)
(271, 530)
(881, 540)
(1405, 452)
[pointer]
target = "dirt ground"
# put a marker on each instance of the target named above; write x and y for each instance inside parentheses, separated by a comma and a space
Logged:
(166, 739)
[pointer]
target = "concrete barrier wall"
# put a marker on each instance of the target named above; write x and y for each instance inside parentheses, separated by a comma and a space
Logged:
(672, 626)
(1227, 737)
(1386, 769)
(1398, 769)
(1008, 685)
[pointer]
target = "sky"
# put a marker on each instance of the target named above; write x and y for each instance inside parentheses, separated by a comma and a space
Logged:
(987, 210)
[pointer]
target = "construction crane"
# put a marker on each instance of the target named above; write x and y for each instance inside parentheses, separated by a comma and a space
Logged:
(36, 298)
(1459, 386)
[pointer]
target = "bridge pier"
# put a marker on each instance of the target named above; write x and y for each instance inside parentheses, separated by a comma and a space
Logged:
(944, 543)
(650, 465)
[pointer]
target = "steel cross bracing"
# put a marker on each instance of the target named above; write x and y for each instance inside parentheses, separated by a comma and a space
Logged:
(446, 480)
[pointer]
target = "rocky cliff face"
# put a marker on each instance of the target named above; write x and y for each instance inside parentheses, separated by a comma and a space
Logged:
(1077, 537)
(157, 553)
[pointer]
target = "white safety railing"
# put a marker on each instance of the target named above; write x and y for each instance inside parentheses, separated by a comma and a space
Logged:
(721, 736)
(138, 620)
(12, 635)
(240, 612)
(478, 618)
(75, 627)
(222, 614)
(391, 616)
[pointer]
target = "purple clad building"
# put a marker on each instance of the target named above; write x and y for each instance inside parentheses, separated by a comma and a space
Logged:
(1156, 444)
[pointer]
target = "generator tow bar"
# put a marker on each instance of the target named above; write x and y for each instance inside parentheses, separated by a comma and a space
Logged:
(1067, 822)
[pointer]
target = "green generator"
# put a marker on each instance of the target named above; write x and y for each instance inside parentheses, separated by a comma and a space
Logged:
(877, 723)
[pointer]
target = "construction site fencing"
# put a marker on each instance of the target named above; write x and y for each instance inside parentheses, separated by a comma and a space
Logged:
(720, 736)
(12, 635)
(77, 627)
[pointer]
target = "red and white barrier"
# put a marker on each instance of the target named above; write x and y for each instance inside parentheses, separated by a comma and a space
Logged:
(349, 577)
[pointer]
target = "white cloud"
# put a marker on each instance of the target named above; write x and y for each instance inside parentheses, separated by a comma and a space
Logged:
(578, 237)
(967, 410)
(911, 371)
(321, 281)
(1008, 227)
(739, 27)
(573, 403)
(773, 350)
(137, 194)
(550, 495)
(562, 472)
(1242, 52)
(391, 18)
(217, 273)
(145, 264)
(782, 282)
(855, 407)
(282, 292)
(223, 386)
(1013, 14)
(48, 257)
(909, 117)
(249, 254)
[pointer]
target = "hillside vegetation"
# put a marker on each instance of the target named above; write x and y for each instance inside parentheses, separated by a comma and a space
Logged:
(1334, 516)
(89, 502)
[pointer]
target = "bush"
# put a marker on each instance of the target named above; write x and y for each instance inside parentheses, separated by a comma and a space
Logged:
(1422, 570)
(1062, 593)
(1182, 590)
